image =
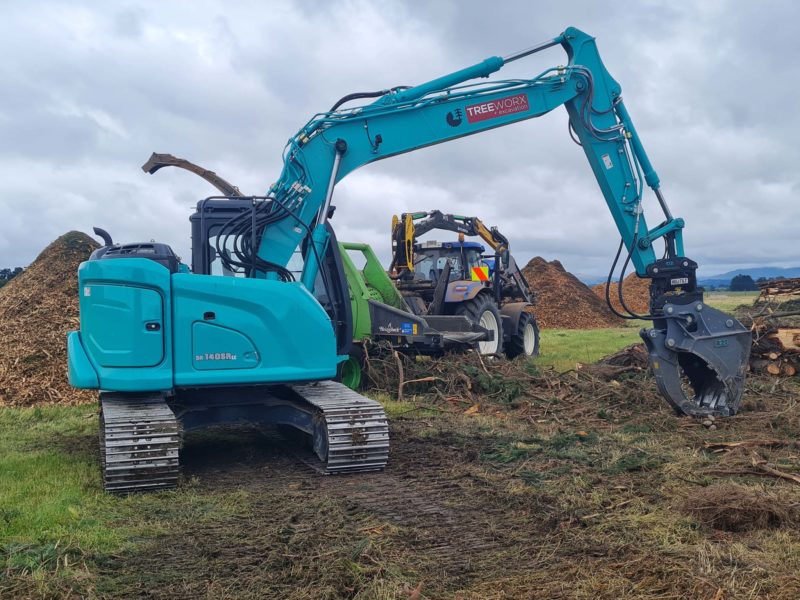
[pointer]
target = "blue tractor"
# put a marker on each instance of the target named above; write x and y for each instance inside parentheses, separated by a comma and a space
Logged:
(256, 328)
(458, 278)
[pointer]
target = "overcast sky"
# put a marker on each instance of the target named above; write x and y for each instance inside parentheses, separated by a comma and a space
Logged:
(89, 89)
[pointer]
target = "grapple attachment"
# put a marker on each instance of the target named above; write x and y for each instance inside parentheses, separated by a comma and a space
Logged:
(699, 356)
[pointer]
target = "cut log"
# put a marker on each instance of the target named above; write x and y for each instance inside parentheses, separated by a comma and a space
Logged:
(789, 370)
(787, 338)
(774, 369)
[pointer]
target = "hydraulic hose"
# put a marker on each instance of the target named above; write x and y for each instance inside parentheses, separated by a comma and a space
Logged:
(631, 316)
(362, 95)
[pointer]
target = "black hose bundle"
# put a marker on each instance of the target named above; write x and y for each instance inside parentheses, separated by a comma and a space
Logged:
(239, 238)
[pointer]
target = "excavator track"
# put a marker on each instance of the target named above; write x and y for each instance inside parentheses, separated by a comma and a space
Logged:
(140, 439)
(352, 431)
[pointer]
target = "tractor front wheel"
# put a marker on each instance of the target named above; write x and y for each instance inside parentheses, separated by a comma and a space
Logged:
(483, 311)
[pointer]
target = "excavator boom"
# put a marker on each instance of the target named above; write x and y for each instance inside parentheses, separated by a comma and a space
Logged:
(689, 341)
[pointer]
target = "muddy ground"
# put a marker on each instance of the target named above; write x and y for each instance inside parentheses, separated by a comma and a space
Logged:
(546, 495)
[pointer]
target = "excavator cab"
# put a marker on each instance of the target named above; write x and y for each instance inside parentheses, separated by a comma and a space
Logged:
(214, 254)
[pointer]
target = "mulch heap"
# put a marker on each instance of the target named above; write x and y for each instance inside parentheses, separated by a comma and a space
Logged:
(635, 292)
(563, 301)
(37, 309)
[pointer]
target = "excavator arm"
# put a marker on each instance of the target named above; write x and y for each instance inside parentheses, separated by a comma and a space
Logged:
(689, 341)
(335, 143)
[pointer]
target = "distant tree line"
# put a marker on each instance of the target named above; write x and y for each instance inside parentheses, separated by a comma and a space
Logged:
(743, 283)
(7, 275)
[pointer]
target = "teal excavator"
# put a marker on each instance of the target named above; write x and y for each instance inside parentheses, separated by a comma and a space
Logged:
(257, 328)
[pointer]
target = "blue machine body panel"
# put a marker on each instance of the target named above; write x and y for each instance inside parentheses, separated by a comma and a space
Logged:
(468, 245)
(123, 324)
(108, 311)
(262, 331)
(146, 329)
(463, 290)
(79, 368)
(207, 339)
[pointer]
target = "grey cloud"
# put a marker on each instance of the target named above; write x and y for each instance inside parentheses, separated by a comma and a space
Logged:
(92, 89)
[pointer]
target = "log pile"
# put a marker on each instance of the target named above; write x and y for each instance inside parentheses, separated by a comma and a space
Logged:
(779, 287)
(775, 322)
(37, 309)
(776, 350)
(563, 301)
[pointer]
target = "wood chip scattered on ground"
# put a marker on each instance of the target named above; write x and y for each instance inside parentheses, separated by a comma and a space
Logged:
(734, 507)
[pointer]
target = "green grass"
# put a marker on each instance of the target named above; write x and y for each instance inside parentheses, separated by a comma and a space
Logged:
(50, 492)
(562, 348)
(55, 517)
(727, 301)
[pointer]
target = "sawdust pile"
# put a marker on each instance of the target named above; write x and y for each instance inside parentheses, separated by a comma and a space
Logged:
(564, 302)
(635, 291)
(37, 309)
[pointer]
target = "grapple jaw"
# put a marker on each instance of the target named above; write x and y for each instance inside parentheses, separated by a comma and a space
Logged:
(699, 357)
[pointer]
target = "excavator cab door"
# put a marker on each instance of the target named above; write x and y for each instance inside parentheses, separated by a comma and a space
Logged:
(332, 292)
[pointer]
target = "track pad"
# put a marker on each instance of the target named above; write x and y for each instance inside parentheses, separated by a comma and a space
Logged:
(699, 360)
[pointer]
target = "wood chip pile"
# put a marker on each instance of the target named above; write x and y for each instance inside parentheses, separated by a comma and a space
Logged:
(37, 309)
(635, 291)
(563, 301)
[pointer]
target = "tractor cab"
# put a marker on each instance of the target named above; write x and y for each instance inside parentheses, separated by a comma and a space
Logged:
(431, 258)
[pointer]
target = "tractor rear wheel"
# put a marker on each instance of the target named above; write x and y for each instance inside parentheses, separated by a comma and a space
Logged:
(483, 311)
(525, 341)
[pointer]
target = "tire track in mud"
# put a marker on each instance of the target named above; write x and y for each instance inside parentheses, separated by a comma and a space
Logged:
(433, 513)
(430, 492)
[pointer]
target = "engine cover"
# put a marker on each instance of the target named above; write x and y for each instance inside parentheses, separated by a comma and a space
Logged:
(160, 253)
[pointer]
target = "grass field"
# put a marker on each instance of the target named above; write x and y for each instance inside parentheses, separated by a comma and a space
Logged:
(727, 301)
(572, 487)
(562, 348)
(56, 523)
